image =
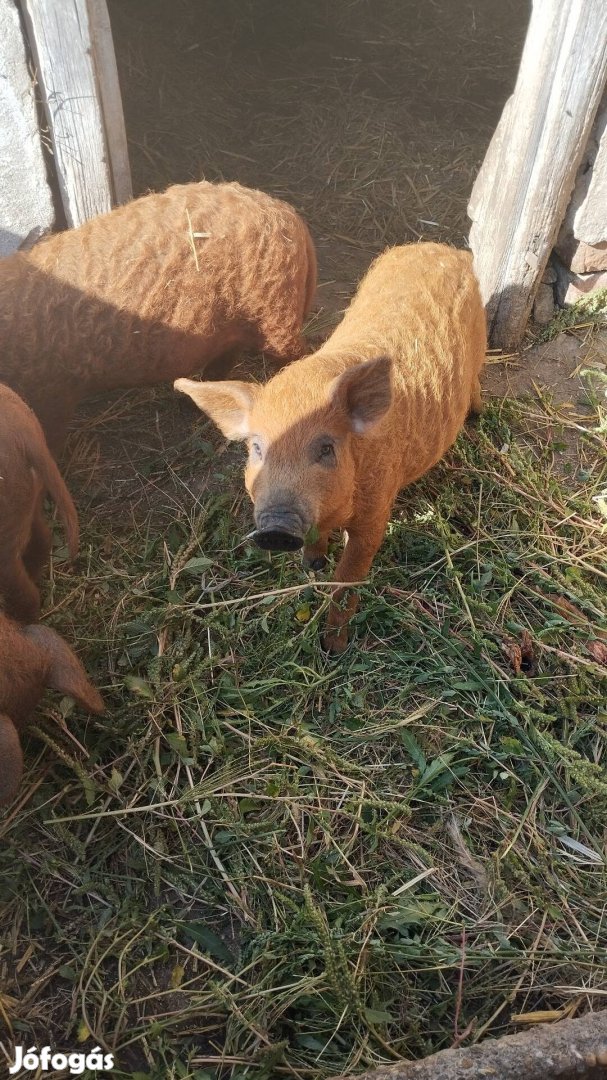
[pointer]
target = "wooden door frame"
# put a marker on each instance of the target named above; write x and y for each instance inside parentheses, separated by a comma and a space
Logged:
(522, 190)
(73, 52)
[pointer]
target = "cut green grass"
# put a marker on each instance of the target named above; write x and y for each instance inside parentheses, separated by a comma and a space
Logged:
(262, 862)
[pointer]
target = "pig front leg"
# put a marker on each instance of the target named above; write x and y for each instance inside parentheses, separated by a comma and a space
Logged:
(360, 550)
(315, 555)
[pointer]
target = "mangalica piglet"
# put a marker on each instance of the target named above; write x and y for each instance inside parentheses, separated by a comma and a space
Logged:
(161, 287)
(27, 473)
(335, 435)
(33, 658)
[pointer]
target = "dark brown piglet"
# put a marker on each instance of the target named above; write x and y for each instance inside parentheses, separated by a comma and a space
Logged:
(27, 473)
(32, 659)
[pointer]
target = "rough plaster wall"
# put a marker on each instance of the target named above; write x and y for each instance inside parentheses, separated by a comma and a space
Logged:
(25, 197)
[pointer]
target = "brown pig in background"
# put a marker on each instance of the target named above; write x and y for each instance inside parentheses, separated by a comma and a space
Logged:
(335, 435)
(161, 287)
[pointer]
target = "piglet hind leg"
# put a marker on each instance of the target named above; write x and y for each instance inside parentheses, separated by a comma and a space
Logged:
(38, 550)
(11, 760)
(476, 399)
(19, 596)
(55, 412)
(360, 550)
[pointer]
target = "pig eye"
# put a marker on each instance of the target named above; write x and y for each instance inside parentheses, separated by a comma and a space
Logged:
(326, 453)
(256, 451)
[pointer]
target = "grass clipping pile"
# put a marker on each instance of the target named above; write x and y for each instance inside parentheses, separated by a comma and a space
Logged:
(262, 862)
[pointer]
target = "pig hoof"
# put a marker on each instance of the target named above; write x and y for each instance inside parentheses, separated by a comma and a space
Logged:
(318, 564)
(336, 643)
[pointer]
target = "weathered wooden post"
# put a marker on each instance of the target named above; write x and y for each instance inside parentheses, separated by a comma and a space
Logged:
(521, 193)
(71, 43)
(563, 1051)
(26, 203)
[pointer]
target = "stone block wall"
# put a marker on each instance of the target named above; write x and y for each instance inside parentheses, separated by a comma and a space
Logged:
(579, 261)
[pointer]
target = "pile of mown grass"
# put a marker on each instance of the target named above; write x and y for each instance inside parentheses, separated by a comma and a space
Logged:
(262, 862)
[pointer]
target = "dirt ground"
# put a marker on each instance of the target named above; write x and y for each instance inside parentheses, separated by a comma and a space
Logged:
(556, 370)
(370, 116)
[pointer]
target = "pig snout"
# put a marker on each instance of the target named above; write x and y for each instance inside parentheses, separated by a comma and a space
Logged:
(277, 540)
(279, 528)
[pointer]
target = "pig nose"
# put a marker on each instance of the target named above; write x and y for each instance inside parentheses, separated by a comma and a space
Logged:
(279, 528)
(277, 540)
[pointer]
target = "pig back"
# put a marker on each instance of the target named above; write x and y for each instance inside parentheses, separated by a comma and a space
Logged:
(148, 292)
(420, 305)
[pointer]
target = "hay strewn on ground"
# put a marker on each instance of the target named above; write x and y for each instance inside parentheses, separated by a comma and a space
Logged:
(262, 862)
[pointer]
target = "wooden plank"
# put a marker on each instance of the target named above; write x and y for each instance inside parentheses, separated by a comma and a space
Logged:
(60, 37)
(524, 185)
(111, 101)
(26, 202)
(546, 1052)
(58, 32)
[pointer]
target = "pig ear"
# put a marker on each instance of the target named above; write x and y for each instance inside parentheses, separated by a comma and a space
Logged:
(364, 392)
(228, 404)
(66, 673)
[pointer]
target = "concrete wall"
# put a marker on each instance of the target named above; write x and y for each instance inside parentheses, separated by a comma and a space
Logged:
(25, 197)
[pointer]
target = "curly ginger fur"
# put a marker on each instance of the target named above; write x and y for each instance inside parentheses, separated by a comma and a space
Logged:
(156, 289)
(388, 392)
